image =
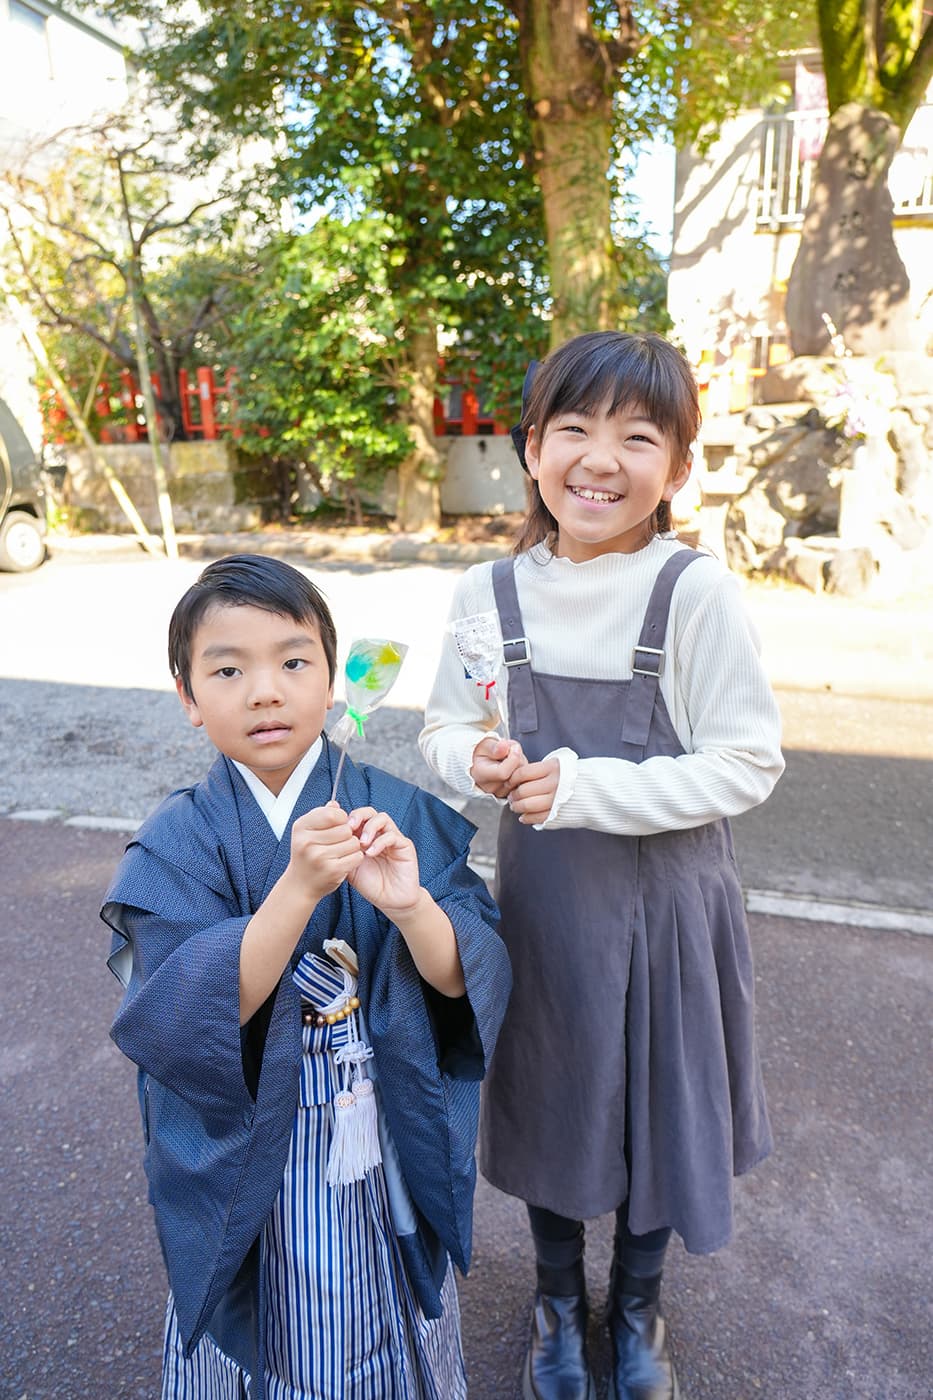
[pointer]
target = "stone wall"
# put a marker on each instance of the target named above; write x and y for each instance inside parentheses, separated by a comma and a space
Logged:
(212, 488)
(786, 492)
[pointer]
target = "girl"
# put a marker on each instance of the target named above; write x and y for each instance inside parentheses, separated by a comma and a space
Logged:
(626, 1078)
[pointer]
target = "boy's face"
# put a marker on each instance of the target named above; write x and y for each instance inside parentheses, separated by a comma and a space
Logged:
(260, 687)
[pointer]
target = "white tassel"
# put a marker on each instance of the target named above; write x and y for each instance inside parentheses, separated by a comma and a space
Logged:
(354, 1148)
(367, 1125)
(343, 1157)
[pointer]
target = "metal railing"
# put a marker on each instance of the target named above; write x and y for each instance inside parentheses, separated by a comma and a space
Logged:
(785, 179)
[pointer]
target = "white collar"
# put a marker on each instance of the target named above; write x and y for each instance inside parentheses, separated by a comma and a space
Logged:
(278, 810)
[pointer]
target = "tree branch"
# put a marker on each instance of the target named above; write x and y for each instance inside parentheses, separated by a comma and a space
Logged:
(150, 229)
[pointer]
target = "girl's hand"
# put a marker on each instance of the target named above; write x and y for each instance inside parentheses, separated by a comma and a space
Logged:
(324, 851)
(387, 874)
(495, 761)
(534, 786)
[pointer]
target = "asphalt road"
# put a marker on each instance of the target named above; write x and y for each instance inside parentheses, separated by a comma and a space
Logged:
(825, 1293)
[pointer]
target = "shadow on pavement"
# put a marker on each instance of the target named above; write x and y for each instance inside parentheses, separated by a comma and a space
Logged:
(843, 823)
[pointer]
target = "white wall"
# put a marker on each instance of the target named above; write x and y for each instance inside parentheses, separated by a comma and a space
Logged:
(484, 476)
(54, 72)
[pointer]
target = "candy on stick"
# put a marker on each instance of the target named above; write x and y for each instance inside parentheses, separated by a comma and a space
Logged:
(370, 672)
(479, 646)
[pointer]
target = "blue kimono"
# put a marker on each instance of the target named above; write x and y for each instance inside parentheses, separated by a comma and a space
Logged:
(218, 1101)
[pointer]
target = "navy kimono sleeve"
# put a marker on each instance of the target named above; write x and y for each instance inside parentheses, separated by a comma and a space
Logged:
(179, 1020)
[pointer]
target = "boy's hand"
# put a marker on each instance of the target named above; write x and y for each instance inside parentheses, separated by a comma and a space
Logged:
(387, 874)
(324, 850)
(533, 788)
(495, 761)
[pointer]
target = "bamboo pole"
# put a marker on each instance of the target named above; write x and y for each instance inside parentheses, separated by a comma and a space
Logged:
(152, 417)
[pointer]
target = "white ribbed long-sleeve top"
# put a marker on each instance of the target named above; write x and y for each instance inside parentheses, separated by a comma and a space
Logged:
(584, 620)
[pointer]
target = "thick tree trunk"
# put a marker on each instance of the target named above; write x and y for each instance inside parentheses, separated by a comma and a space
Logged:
(570, 77)
(848, 265)
(420, 474)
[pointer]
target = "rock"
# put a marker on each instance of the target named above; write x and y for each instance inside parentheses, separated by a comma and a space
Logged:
(801, 561)
(807, 485)
(908, 527)
(803, 480)
(915, 470)
(848, 265)
(765, 417)
(776, 444)
(911, 370)
(804, 379)
(850, 572)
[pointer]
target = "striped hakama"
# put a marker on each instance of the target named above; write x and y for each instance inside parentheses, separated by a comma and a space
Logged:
(342, 1322)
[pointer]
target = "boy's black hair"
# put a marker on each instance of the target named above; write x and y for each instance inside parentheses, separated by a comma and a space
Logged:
(253, 580)
(628, 370)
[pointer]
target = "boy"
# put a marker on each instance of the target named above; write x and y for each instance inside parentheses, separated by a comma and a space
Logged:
(300, 1264)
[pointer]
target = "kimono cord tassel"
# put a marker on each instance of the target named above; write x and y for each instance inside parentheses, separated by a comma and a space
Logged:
(354, 1148)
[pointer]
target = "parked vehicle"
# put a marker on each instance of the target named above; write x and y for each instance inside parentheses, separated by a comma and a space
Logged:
(22, 499)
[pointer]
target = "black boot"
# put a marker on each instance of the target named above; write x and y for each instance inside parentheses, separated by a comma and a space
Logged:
(642, 1367)
(556, 1367)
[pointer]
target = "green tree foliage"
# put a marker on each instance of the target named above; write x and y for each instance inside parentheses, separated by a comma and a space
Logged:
(84, 212)
(417, 116)
(436, 122)
(878, 53)
(599, 76)
(315, 348)
(409, 113)
(701, 62)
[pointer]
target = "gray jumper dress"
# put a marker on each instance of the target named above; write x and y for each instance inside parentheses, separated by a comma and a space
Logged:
(627, 1065)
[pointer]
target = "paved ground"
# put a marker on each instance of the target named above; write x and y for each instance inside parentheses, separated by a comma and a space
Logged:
(825, 1294)
(89, 710)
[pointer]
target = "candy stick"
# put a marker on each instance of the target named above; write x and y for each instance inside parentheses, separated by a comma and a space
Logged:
(370, 671)
(479, 645)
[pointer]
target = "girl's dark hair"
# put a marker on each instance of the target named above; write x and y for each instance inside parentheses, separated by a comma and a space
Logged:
(626, 370)
(252, 580)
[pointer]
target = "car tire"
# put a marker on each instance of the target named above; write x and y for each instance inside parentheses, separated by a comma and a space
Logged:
(22, 544)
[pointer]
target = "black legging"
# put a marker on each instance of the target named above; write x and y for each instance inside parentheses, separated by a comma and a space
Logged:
(642, 1255)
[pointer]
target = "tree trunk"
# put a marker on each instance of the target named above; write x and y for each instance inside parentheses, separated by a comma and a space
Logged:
(848, 265)
(569, 77)
(420, 474)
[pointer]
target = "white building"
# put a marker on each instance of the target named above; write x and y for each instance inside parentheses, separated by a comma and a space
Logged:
(56, 70)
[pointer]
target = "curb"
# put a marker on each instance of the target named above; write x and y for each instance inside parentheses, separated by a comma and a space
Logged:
(371, 547)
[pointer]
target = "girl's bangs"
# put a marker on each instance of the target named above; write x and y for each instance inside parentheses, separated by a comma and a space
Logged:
(627, 382)
(627, 372)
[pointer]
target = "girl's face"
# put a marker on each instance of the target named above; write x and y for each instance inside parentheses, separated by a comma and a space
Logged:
(602, 476)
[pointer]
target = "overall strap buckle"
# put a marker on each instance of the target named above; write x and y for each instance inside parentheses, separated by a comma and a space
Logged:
(524, 660)
(651, 668)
